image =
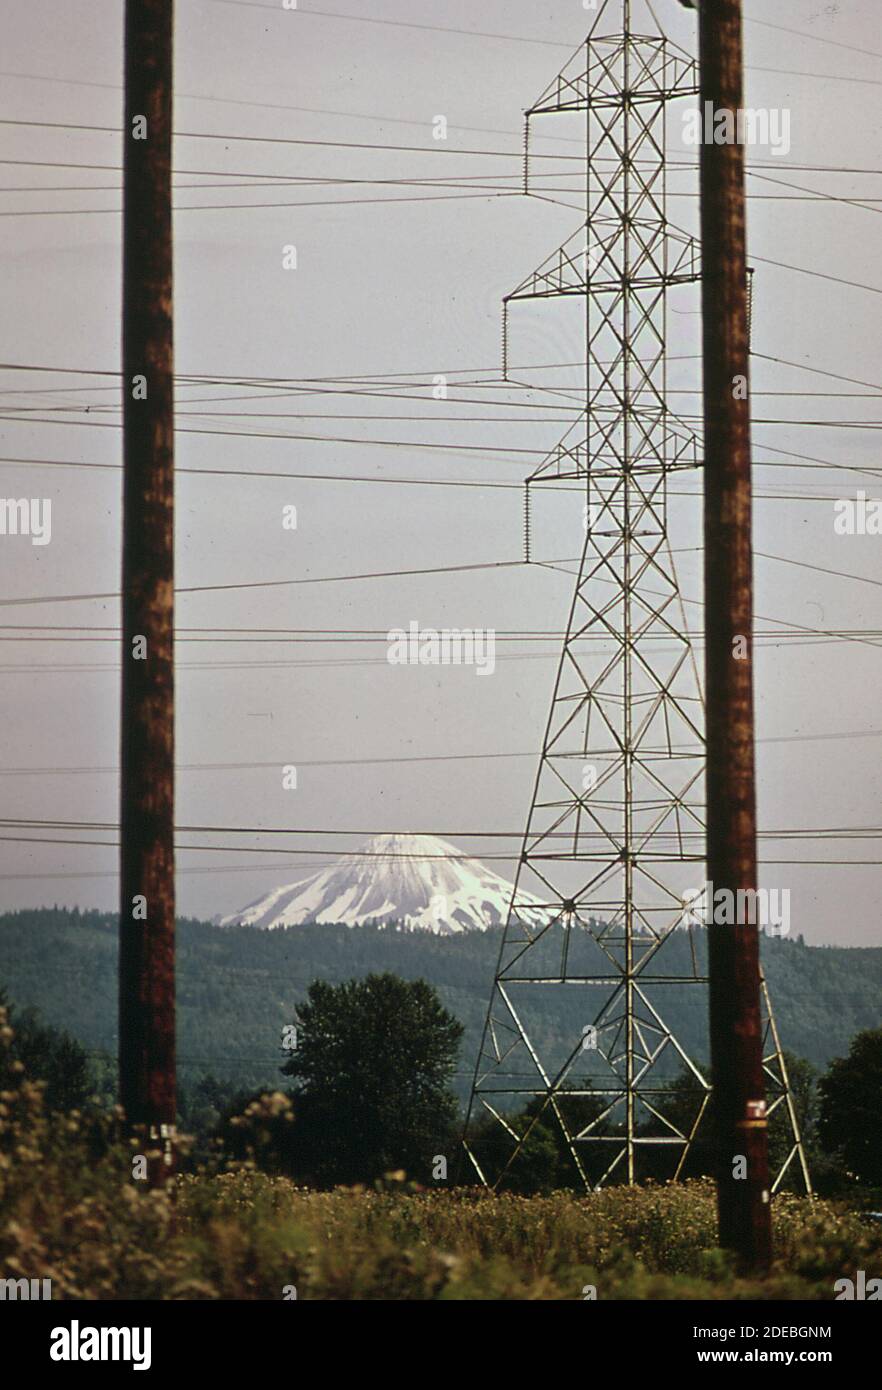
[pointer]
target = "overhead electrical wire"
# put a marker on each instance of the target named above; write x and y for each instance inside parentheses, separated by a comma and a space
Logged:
(836, 832)
(403, 759)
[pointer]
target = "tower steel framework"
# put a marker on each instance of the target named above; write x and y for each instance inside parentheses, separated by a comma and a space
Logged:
(613, 845)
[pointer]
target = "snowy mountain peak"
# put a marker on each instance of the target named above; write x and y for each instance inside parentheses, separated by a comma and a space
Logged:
(419, 881)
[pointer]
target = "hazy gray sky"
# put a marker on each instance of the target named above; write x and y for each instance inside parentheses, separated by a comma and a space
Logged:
(412, 288)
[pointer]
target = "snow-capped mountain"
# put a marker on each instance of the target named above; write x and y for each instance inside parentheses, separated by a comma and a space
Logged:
(407, 879)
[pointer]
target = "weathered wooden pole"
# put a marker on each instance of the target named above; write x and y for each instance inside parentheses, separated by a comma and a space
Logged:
(735, 1020)
(147, 895)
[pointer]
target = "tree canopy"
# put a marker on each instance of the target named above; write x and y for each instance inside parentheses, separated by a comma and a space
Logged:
(372, 1071)
(851, 1104)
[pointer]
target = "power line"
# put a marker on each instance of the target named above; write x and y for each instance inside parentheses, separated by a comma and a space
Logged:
(815, 38)
(275, 764)
(393, 23)
(697, 858)
(283, 583)
(674, 835)
(241, 379)
(516, 38)
(436, 148)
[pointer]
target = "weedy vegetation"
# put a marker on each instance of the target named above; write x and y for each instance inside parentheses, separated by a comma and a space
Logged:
(70, 1211)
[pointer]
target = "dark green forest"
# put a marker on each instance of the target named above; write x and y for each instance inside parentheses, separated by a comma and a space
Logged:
(238, 987)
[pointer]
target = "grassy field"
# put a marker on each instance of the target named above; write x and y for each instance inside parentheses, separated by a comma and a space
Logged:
(71, 1211)
(257, 1234)
(244, 1235)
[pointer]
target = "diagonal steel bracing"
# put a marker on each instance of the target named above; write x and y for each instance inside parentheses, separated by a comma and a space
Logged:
(614, 840)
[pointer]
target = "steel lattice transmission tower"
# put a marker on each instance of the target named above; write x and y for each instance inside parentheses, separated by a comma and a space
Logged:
(614, 838)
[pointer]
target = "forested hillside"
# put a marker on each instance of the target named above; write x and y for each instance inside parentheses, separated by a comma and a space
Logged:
(237, 987)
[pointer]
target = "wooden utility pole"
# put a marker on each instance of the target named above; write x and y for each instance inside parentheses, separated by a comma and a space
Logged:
(735, 1021)
(147, 896)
